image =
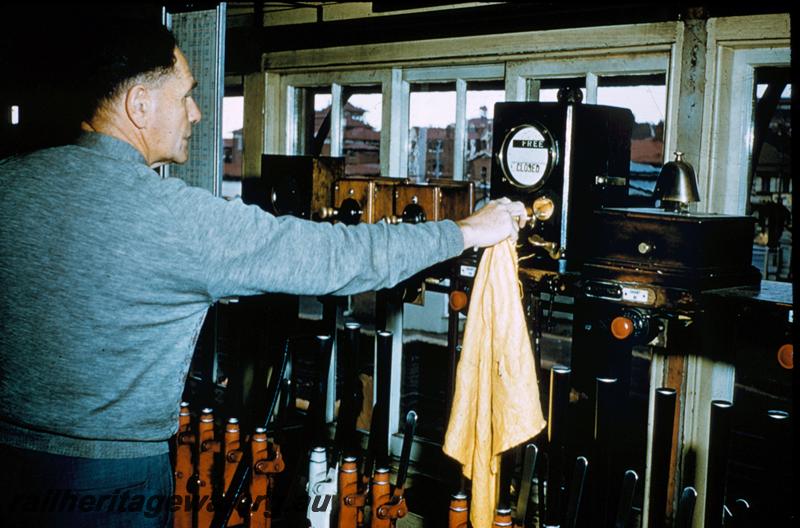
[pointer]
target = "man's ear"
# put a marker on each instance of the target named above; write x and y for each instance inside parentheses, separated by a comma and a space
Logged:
(138, 105)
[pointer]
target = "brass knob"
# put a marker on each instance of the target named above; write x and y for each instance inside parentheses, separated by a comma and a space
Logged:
(327, 212)
(542, 209)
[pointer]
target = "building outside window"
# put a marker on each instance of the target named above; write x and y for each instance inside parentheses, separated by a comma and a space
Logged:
(232, 146)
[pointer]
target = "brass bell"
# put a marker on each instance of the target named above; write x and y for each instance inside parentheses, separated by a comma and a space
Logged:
(676, 186)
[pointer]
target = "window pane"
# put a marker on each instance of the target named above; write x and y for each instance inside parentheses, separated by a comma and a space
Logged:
(771, 179)
(761, 89)
(362, 132)
(481, 98)
(431, 135)
(362, 114)
(322, 107)
(311, 105)
(232, 146)
(646, 97)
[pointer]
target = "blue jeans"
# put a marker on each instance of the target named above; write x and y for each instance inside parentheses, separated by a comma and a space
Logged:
(41, 490)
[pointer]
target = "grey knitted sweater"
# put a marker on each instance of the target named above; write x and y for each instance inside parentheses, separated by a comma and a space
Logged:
(107, 272)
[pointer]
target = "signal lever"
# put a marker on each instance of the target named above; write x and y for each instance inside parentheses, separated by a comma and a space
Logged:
(625, 506)
(207, 450)
(521, 517)
(686, 508)
(322, 485)
(235, 489)
(184, 469)
(458, 516)
(556, 427)
(267, 461)
(233, 457)
(352, 499)
(322, 481)
(346, 439)
(386, 512)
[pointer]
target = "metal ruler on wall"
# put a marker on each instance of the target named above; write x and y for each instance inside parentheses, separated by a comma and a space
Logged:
(201, 38)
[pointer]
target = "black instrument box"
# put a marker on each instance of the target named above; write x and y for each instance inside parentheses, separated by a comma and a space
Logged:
(577, 155)
(293, 185)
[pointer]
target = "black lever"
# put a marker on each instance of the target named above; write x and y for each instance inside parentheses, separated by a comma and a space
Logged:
(285, 406)
(774, 503)
(316, 407)
(544, 472)
(395, 507)
(506, 473)
(606, 436)
(346, 438)
(686, 508)
(740, 516)
(524, 495)
(576, 491)
(558, 402)
(242, 473)
(663, 427)
(369, 459)
(625, 507)
(405, 453)
(719, 437)
(383, 370)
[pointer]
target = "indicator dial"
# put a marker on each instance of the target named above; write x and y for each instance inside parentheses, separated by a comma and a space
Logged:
(528, 155)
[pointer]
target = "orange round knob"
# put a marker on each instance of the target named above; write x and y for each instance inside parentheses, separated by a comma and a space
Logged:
(786, 356)
(458, 300)
(621, 327)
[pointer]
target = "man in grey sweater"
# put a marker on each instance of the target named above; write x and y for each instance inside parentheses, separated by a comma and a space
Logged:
(107, 272)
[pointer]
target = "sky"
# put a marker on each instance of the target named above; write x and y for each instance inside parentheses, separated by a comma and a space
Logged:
(232, 118)
(437, 109)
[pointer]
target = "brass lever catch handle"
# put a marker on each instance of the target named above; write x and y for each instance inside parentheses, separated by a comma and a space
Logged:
(551, 247)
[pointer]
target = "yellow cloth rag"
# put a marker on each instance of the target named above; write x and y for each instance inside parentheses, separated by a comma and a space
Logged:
(496, 402)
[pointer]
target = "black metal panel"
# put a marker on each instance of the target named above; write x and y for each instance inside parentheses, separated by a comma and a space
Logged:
(593, 158)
